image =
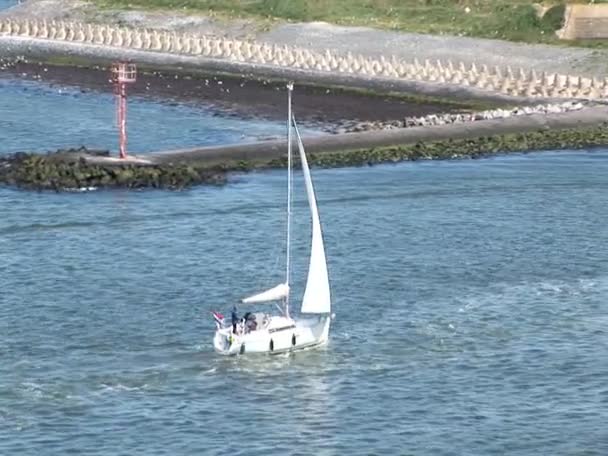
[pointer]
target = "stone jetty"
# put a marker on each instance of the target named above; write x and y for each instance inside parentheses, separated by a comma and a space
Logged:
(82, 169)
(451, 118)
(266, 151)
(78, 170)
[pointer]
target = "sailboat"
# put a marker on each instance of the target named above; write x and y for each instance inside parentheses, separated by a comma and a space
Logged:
(274, 333)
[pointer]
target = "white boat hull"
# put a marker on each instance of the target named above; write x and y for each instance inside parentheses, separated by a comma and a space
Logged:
(281, 335)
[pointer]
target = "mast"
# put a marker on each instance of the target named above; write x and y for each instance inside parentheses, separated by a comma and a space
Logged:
(289, 183)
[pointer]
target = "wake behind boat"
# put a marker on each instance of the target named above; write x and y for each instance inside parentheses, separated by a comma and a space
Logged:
(263, 332)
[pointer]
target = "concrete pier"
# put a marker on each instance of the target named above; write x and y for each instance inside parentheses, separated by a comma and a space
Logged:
(73, 170)
(269, 150)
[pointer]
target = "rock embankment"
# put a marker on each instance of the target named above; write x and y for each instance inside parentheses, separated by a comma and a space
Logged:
(78, 170)
(479, 147)
(68, 170)
(452, 118)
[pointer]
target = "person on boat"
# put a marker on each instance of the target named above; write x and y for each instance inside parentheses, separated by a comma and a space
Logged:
(235, 318)
(252, 325)
(244, 322)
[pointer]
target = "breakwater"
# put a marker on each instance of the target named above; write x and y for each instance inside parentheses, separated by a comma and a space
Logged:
(83, 170)
(238, 56)
(68, 170)
(269, 150)
(480, 147)
(464, 117)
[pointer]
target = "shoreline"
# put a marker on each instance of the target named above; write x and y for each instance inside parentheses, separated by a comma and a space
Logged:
(72, 173)
(100, 54)
(81, 169)
(327, 109)
(337, 88)
(318, 35)
(383, 70)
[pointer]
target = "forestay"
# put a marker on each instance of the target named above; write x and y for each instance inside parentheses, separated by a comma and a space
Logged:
(277, 293)
(317, 297)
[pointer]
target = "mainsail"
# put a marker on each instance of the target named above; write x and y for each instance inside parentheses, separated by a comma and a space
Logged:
(317, 297)
(277, 293)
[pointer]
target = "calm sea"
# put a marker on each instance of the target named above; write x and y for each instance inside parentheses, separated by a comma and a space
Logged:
(469, 298)
(4, 4)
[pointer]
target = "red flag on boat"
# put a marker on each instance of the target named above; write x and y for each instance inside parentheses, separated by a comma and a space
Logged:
(219, 319)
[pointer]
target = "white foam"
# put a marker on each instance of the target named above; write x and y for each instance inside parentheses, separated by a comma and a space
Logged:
(34, 389)
(80, 189)
(119, 387)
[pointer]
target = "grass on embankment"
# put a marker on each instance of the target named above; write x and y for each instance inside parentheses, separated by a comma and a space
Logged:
(514, 20)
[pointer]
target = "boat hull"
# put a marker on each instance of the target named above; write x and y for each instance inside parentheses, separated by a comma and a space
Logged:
(299, 335)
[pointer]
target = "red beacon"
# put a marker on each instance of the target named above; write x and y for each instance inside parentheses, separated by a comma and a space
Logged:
(122, 74)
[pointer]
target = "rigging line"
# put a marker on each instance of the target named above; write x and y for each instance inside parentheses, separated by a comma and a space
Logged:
(269, 274)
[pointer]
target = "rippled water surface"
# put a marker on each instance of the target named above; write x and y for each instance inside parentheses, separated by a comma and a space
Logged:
(4, 4)
(70, 117)
(470, 301)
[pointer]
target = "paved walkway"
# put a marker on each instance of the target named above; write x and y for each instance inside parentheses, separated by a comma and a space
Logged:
(268, 150)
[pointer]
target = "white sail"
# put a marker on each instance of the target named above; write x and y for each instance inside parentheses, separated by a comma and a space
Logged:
(281, 291)
(317, 297)
(281, 333)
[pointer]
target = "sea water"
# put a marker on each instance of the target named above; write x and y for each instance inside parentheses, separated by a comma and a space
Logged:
(469, 298)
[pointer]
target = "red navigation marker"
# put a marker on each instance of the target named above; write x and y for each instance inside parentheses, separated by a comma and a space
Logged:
(122, 74)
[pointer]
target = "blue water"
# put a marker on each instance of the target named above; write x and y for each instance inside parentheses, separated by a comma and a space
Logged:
(470, 300)
(69, 117)
(4, 4)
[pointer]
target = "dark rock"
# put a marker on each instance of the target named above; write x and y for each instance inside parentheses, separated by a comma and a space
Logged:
(68, 169)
